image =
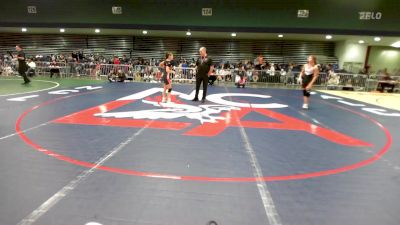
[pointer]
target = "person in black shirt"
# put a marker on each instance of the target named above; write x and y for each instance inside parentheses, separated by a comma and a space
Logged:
(22, 67)
(204, 69)
(74, 56)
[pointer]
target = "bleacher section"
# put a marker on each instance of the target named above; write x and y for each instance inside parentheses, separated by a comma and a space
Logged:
(155, 47)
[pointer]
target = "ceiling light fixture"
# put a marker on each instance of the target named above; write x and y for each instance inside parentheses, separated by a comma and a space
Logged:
(396, 44)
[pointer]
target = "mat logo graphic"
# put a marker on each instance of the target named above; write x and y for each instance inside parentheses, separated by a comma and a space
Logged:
(213, 118)
(203, 113)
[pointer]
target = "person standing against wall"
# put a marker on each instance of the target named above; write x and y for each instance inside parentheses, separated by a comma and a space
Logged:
(22, 67)
(205, 68)
(309, 75)
(259, 62)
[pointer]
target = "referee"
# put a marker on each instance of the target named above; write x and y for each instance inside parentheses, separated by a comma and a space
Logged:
(204, 69)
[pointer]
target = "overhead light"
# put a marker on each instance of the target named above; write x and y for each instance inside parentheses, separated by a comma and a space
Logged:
(280, 35)
(144, 32)
(361, 41)
(62, 30)
(97, 30)
(233, 34)
(377, 39)
(328, 37)
(396, 44)
(24, 29)
(188, 33)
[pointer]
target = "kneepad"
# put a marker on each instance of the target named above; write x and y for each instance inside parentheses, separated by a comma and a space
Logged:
(306, 93)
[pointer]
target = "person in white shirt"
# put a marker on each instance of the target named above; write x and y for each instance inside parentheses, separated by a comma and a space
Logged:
(272, 70)
(31, 64)
(309, 75)
(333, 78)
(31, 68)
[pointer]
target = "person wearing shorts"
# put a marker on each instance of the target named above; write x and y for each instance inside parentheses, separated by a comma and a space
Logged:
(166, 69)
(309, 75)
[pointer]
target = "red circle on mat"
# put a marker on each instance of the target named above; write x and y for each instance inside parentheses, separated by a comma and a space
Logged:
(51, 153)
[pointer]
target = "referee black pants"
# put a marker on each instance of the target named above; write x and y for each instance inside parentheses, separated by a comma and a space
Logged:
(203, 79)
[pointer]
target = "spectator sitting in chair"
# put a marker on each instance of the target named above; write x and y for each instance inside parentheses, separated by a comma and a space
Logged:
(333, 78)
(386, 82)
(118, 76)
(212, 78)
(240, 78)
(54, 68)
(31, 68)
